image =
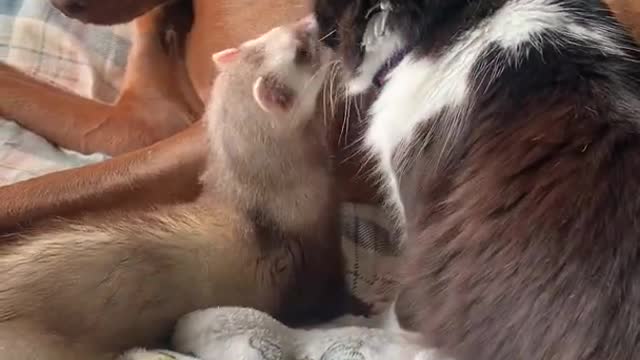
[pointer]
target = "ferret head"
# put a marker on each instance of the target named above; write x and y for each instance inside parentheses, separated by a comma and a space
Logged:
(284, 69)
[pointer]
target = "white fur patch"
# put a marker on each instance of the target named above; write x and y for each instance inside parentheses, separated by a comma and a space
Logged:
(373, 61)
(420, 88)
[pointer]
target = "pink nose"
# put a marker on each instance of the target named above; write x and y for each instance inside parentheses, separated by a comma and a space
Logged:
(308, 24)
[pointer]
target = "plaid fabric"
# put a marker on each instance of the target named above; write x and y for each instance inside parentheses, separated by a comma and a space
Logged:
(87, 60)
(90, 61)
(371, 251)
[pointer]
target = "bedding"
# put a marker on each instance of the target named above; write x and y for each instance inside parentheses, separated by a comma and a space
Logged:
(237, 333)
(90, 60)
(87, 60)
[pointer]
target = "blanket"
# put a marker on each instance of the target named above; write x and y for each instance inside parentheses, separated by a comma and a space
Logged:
(236, 333)
(90, 60)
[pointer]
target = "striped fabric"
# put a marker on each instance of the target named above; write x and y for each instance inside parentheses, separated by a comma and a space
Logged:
(90, 61)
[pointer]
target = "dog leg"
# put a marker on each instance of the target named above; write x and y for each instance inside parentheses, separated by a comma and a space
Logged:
(157, 99)
(164, 173)
(628, 12)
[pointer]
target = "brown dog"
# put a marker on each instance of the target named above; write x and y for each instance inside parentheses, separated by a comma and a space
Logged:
(167, 77)
(628, 11)
(106, 12)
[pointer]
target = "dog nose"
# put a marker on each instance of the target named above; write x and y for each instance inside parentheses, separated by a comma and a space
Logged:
(71, 8)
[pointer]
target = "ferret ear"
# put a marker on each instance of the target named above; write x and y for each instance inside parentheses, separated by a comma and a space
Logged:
(225, 57)
(272, 95)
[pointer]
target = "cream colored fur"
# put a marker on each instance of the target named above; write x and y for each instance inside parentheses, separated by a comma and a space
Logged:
(95, 288)
(106, 286)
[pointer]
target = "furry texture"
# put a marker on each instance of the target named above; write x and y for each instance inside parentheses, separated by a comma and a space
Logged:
(276, 167)
(509, 136)
(99, 286)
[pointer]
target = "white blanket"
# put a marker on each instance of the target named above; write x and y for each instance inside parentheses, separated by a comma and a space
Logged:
(87, 60)
(245, 334)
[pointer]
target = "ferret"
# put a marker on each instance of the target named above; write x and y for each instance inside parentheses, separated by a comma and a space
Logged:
(266, 155)
(264, 236)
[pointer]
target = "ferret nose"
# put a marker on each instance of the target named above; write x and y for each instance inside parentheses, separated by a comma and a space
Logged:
(310, 22)
(71, 8)
(307, 26)
(306, 32)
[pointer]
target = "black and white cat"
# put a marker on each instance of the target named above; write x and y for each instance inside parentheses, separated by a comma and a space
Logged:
(509, 135)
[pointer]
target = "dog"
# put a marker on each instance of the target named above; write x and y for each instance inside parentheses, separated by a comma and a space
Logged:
(152, 129)
(628, 11)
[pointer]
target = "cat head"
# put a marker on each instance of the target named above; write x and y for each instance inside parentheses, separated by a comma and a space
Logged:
(368, 34)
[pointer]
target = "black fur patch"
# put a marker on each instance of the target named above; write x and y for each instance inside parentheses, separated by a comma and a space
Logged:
(313, 269)
(523, 242)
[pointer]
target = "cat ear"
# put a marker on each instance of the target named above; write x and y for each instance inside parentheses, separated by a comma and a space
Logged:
(225, 57)
(272, 95)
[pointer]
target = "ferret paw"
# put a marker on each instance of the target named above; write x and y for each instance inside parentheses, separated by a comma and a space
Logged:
(140, 354)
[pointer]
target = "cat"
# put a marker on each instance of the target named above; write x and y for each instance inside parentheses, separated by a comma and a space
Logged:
(508, 133)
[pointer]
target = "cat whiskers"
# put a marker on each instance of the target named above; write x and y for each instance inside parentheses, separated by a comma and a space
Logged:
(335, 69)
(322, 69)
(294, 113)
(328, 101)
(330, 33)
(335, 92)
